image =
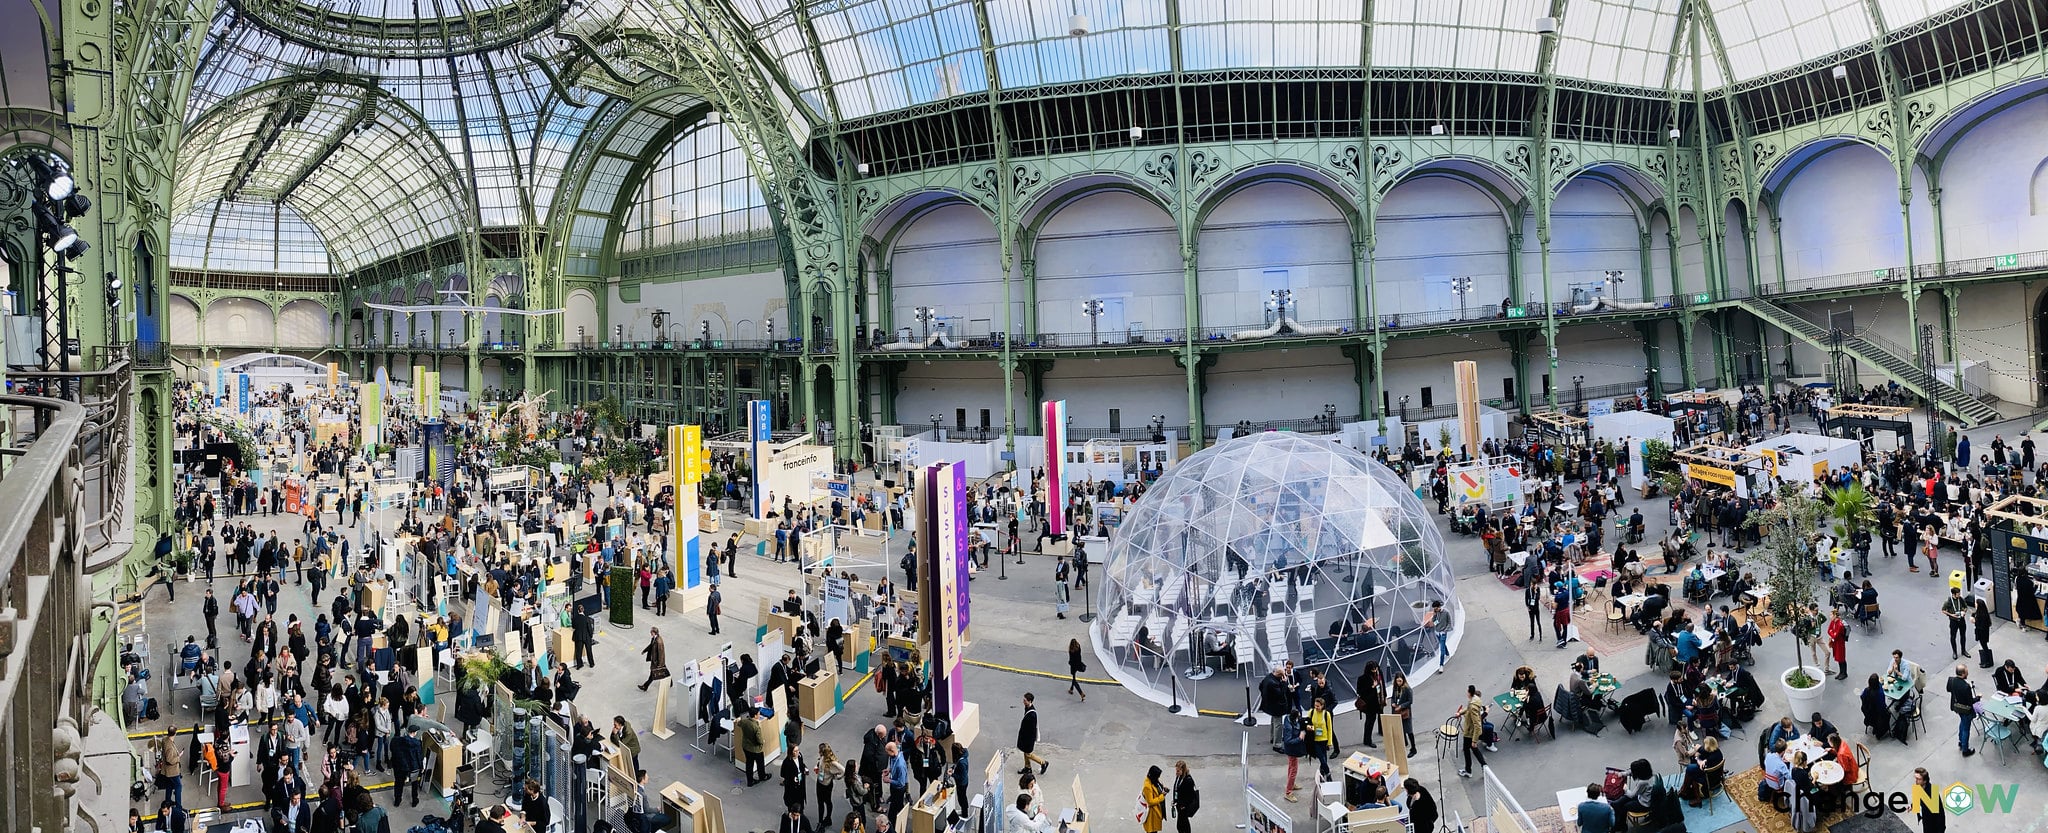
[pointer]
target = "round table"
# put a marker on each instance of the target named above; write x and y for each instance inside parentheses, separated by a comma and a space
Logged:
(1813, 750)
(1827, 773)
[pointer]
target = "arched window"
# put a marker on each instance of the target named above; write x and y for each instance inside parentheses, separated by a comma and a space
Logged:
(701, 190)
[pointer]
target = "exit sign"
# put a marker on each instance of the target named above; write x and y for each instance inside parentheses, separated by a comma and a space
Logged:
(1518, 312)
(1702, 298)
(2005, 261)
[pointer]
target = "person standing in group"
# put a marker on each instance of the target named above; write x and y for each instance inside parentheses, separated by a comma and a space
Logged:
(1061, 597)
(899, 778)
(1075, 665)
(828, 771)
(754, 747)
(657, 658)
(1532, 598)
(714, 604)
(663, 585)
(1372, 699)
(1402, 700)
(1187, 798)
(1422, 812)
(1962, 699)
(1027, 736)
(1152, 796)
(1472, 726)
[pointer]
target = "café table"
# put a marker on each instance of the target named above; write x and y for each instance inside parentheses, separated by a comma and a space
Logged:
(1808, 745)
(1568, 802)
(1896, 688)
(1827, 773)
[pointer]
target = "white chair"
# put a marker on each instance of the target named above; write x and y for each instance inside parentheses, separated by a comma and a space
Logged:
(481, 754)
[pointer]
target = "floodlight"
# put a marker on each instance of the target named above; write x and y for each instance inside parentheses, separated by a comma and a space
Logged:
(63, 238)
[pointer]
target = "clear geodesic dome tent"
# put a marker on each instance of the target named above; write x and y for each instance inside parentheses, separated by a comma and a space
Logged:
(1265, 548)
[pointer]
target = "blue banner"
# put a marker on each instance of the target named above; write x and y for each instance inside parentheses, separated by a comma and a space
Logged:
(242, 393)
(760, 424)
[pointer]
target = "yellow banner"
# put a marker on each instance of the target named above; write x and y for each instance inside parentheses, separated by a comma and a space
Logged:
(333, 376)
(430, 398)
(419, 389)
(1711, 474)
(692, 454)
(372, 398)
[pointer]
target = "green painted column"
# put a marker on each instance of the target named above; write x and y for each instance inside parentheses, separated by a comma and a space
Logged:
(1029, 268)
(1191, 356)
(1687, 364)
(1652, 354)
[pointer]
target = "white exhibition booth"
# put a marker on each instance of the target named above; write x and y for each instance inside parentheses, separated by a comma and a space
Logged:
(1493, 425)
(1114, 459)
(792, 468)
(1633, 429)
(1801, 457)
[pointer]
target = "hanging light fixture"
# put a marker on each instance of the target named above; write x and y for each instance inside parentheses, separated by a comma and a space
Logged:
(1437, 129)
(1077, 23)
(1841, 72)
(714, 117)
(1137, 132)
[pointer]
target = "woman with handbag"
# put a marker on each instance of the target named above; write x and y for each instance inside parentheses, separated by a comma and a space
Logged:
(1151, 812)
(1403, 701)
(1075, 666)
(1371, 702)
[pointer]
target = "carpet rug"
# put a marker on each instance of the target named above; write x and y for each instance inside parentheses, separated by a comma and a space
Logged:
(1765, 818)
(1859, 823)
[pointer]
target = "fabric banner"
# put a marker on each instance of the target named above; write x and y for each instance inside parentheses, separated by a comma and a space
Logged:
(241, 393)
(1055, 413)
(430, 398)
(333, 375)
(943, 531)
(838, 600)
(685, 460)
(372, 397)
(760, 424)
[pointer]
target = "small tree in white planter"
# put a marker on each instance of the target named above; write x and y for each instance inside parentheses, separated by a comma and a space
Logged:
(1787, 557)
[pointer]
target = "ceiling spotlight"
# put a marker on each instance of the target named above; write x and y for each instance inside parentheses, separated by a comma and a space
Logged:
(1436, 129)
(1137, 132)
(63, 238)
(1077, 25)
(56, 182)
(861, 169)
(77, 204)
(1841, 72)
(75, 250)
(114, 285)
(1546, 26)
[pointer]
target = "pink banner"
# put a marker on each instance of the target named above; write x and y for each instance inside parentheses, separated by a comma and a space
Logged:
(1055, 460)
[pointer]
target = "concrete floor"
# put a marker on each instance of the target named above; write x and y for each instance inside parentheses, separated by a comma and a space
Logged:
(1107, 742)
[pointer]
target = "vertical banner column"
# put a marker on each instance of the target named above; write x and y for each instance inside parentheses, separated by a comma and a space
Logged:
(760, 424)
(686, 464)
(943, 603)
(1055, 459)
(430, 395)
(242, 394)
(219, 388)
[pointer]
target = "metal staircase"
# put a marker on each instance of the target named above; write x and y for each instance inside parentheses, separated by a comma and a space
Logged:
(1893, 361)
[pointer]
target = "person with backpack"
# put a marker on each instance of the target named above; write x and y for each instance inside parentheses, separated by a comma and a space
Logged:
(1187, 798)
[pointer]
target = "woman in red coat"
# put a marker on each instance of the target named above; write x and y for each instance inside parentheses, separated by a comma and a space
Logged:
(1838, 642)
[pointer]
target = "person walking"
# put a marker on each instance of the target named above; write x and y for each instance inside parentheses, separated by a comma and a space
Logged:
(1472, 726)
(657, 658)
(1321, 735)
(1075, 666)
(1152, 796)
(1962, 699)
(1931, 815)
(1187, 798)
(1027, 736)
(1532, 598)
(828, 771)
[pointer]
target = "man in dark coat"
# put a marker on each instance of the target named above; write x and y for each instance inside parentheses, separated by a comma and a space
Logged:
(407, 758)
(1027, 736)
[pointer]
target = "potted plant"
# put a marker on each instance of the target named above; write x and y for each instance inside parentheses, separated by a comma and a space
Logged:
(1850, 508)
(1791, 579)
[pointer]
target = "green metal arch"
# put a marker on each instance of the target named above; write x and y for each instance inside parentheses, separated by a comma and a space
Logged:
(1511, 208)
(1972, 113)
(1795, 159)
(914, 205)
(1050, 203)
(1289, 173)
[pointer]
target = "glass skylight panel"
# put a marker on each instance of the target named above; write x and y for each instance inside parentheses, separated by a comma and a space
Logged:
(1034, 46)
(1617, 41)
(1764, 36)
(700, 189)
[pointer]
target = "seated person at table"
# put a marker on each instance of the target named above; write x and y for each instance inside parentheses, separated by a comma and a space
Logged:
(1704, 760)
(1777, 773)
(1595, 814)
(1695, 582)
(2008, 680)
(1784, 731)
(1588, 664)
(1378, 797)
(1866, 602)
(1742, 589)
(1847, 594)
(1820, 728)
(2037, 725)
(1688, 646)
(1524, 679)
(1223, 643)
(1143, 642)
(1635, 793)
(1840, 752)
(1706, 715)
(1651, 609)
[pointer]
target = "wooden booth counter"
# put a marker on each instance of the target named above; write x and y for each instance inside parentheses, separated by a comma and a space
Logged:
(694, 812)
(817, 697)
